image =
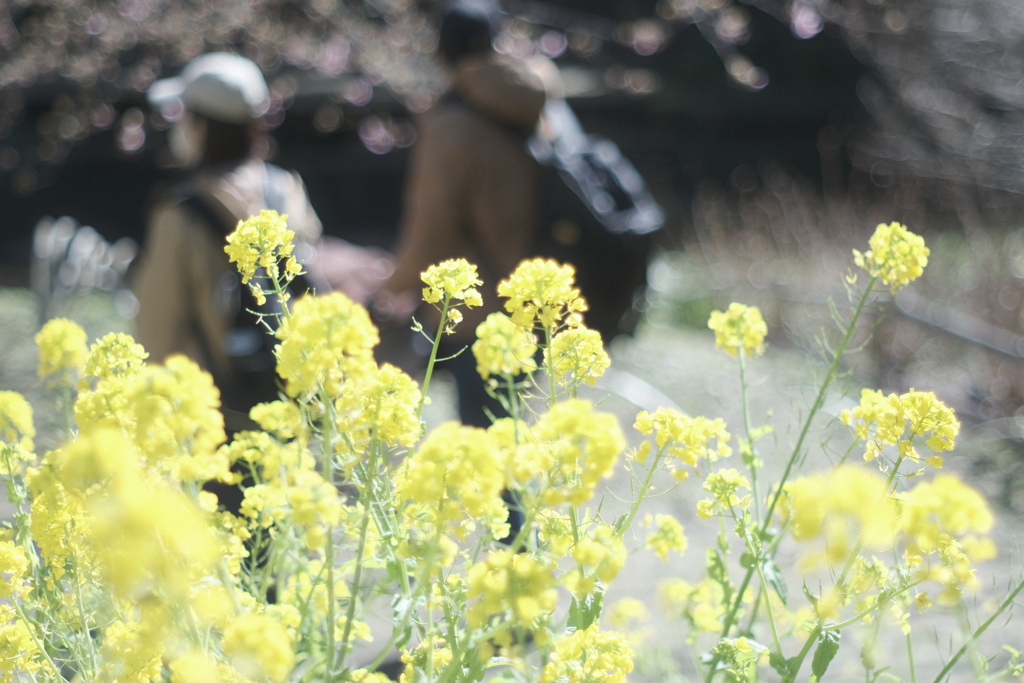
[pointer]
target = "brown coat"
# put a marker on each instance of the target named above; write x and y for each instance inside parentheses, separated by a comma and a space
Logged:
(183, 304)
(471, 191)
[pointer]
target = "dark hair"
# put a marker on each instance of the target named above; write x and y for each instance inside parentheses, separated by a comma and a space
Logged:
(465, 30)
(226, 142)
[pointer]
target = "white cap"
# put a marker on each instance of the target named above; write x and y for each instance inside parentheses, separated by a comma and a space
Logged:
(220, 86)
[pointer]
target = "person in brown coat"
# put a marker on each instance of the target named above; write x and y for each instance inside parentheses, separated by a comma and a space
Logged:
(472, 186)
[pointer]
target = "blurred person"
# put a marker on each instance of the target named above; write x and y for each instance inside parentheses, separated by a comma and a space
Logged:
(472, 186)
(190, 297)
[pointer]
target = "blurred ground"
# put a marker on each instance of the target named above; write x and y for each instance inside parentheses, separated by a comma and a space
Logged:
(673, 359)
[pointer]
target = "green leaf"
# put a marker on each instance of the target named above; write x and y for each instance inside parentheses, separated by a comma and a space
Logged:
(780, 664)
(583, 613)
(620, 522)
(747, 561)
(828, 646)
(773, 575)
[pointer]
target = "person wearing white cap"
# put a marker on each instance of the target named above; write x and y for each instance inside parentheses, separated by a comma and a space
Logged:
(190, 299)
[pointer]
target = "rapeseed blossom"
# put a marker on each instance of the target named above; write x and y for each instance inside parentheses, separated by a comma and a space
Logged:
(503, 348)
(115, 355)
(543, 290)
(599, 555)
(846, 506)
(381, 403)
(18, 651)
(428, 655)
(723, 485)
(14, 564)
(576, 356)
(258, 646)
(16, 427)
(454, 279)
(581, 447)
(897, 256)
(62, 349)
(262, 242)
(514, 584)
(587, 656)
(896, 420)
(739, 327)
(687, 439)
(326, 340)
(667, 535)
(456, 471)
(703, 604)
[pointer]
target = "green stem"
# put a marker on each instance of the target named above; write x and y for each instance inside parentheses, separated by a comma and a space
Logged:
(752, 465)
(642, 494)
(979, 631)
(35, 638)
(764, 592)
(433, 355)
(550, 367)
(328, 475)
(815, 408)
(910, 659)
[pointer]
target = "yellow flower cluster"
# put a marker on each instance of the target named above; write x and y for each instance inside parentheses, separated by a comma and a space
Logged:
(580, 447)
(897, 256)
(14, 564)
(62, 349)
(454, 279)
(19, 654)
(456, 470)
(380, 404)
(16, 429)
(739, 327)
(258, 647)
(576, 355)
(503, 348)
(325, 341)
(543, 290)
(262, 242)
(514, 585)
(685, 438)
(667, 536)
(425, 657)
(599, 555)
(846, 505)
(723, 485)
(947, 519)
(115, 355)
(587, 656)
(703, 604)
(896, 420)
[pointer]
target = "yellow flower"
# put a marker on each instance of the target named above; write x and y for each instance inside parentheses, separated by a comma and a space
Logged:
(588, 656)
(14, 565)
(62, 348)
(687, 439)
(326, 340)
(895, 420)
(740, 327)
(132, 651)
(723, 486)
(543, 290)
(260, 242)
(427, 656)
(16, 427)
(897, 256)
(702, 605)
(382, 402)
(515, 584)
(457, 471)
(455, 279)
(115, 355)
(503, 348)
(576, 355)
(627, 612)
(667, 536)
(259, 646)
(580, 446)
(600, 555)
(18, 652)
(843, 506)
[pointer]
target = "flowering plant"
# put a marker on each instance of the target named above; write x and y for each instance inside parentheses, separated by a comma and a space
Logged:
(120, 566)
